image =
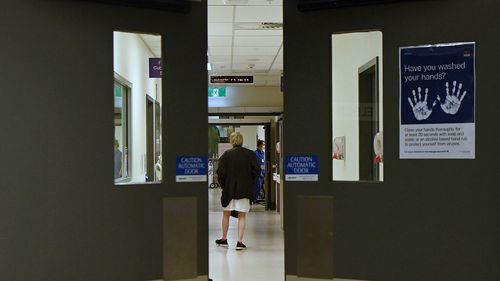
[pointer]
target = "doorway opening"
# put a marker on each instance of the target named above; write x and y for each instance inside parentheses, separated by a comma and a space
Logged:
(245, 69)
(263, 233)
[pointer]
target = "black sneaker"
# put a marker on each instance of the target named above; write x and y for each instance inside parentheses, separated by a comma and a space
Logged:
(221, 242)
(240, 246)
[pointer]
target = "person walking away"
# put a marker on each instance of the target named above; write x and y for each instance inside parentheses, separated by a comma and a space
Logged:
(237, 172)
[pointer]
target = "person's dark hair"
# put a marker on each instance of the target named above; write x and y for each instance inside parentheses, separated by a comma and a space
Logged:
(260, 142)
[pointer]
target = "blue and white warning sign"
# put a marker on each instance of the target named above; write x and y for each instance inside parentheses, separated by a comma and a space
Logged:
(437, 101)
(191, 168)
(301, 168)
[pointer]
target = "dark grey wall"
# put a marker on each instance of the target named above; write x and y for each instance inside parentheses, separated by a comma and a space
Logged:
(429, 219)
(61, 217)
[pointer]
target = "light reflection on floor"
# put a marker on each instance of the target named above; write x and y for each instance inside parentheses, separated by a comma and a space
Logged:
(263, 260)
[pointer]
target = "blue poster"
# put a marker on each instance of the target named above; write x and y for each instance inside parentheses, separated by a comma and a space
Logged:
(191, 168)
(437, 101)
(301, 167)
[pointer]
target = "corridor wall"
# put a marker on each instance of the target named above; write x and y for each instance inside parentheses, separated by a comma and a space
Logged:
(61, 216)
(429, 219)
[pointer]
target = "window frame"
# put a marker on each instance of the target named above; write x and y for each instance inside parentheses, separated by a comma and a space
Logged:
(126, 117)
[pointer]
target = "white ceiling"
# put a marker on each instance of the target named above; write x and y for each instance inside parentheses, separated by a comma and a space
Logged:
(243, 39)
(246, 38)
(153, 42)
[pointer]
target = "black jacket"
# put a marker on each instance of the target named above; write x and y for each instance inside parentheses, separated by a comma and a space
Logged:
(237, 172)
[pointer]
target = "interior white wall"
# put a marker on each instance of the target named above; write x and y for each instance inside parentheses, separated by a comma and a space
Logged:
(261, 133)
(131, 61)
(248, 97)
(349, 52)
(249, 134)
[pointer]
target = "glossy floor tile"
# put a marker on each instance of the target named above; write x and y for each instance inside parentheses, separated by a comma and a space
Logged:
(264, 258)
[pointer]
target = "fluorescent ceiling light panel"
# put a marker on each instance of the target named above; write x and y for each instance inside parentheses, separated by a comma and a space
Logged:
(235, 2)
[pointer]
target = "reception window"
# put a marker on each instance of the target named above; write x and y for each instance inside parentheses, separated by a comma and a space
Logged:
(357, 106)
(137, 94)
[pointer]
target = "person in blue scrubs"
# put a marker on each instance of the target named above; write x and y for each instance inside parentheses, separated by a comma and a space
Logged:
(259, 154)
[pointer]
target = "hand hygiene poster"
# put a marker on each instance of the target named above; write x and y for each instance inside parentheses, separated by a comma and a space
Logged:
(437, 101)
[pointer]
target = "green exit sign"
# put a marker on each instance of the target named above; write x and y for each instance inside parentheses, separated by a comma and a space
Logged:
(216, 92)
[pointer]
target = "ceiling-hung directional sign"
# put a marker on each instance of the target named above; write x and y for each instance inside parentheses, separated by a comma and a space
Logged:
(437, 101)
(301, 168)
(154, 67)
(248, 79)
(191, 169)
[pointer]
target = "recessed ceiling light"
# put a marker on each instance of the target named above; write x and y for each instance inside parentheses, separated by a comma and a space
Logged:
(235, 2)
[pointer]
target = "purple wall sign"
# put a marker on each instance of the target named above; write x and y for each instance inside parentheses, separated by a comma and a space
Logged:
(154, 67)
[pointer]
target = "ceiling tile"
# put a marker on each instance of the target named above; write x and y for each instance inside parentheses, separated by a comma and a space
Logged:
(273, 78)
(218, 67)
(253, 45)
(243, 51)
(265, 2)
(270, 32)
(256, 67)
(256, 41)
(215, 2)
(277, 65)
(153, 42)
(279, 59)
(217, 59)
(220, 14)
(220, 29)
(253, 59)
(220, 41)
(219, 51)
(250, 2)
(259, 14)
(274, 71)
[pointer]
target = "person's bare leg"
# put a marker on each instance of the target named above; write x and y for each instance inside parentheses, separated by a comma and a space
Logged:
(241, 225)
(225, 224)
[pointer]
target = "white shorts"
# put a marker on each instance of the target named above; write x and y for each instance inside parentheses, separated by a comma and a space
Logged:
(240, 205)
